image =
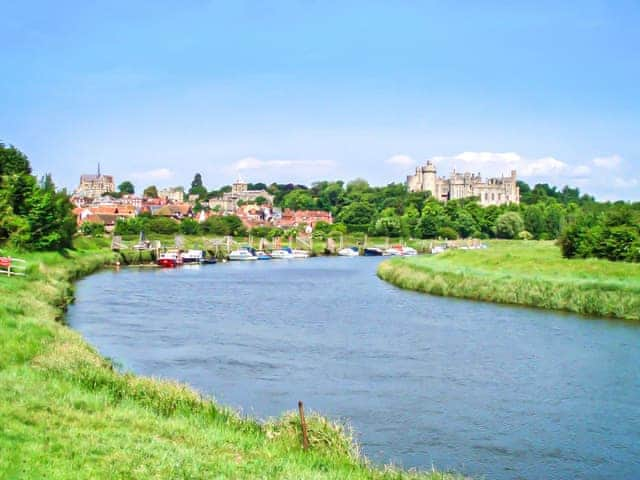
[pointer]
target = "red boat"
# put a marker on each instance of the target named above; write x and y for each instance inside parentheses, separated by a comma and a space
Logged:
(169, 260)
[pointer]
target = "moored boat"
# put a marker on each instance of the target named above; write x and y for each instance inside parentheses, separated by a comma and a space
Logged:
(242, 254)
(262, 255)
(169, 260)
(300, 253)
(349, 252)
(282, 253)
(372, 252)
(192, 256)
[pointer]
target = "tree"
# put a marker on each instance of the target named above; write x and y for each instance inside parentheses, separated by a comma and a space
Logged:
(261, 200)
(32, 215)
(357, 216)
(534, 220)
(126, 188)
(298, 200)
(13, 161)
(509, 225)
(197, 188)
(432, 219)
(150, 192)
(189, 226)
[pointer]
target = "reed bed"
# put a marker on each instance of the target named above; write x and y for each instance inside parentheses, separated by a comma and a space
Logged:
(524, 273)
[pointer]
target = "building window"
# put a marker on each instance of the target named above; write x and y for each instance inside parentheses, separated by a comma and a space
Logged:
(486, 196)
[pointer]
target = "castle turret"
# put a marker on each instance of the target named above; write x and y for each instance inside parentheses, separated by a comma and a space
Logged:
(429, 178)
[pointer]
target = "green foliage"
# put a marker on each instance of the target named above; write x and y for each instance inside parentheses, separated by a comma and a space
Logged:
(13, 161)
(225, 225)
(189, 226)
(197, 188)
(92, 229)
(126, 187)
(150, 192)
(260, 232)
(509, 225)
(32, 215)
(613, 234)
(357, 216)
(164, 225)
(298, 200)
(447, 233)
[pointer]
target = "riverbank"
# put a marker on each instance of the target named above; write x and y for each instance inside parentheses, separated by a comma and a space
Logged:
(67, 412)
(525, 273)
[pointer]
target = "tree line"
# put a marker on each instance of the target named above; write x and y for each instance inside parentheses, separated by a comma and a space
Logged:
(34, 215)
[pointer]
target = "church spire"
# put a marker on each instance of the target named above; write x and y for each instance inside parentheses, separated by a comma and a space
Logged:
(98, 169)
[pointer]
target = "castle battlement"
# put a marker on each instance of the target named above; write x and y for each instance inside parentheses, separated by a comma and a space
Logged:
(493, 191)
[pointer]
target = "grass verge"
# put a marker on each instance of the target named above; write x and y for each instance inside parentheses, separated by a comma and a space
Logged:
(523, 273)
(65, 412)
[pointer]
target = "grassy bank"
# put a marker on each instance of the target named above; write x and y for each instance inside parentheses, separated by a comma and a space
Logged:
(66, 413)
(524, 273)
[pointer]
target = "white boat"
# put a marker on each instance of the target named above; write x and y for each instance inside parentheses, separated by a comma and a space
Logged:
(399, 250)
(348, 252)
(281, 253)
(263, 255)
(192, 256)
(300, 253)
(242, 254)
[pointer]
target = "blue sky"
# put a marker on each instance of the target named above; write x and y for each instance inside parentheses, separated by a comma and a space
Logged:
(308, 90)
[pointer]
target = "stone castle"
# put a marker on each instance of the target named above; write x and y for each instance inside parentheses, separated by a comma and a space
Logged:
(495, 191)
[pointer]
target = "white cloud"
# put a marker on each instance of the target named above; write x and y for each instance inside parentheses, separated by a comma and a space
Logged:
(252, 163)
(611, 161)
(581, 170)
(501, 163)
(401, 160)
(626, 182)
(156, 174)
(543, 167)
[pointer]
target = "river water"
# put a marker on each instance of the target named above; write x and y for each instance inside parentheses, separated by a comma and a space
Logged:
(486, 390)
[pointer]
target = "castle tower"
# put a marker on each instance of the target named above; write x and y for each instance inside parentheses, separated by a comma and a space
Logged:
(429, 178)
(240, 186)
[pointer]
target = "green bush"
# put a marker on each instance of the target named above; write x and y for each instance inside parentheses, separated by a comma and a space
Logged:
(92, 229)
(447, 233)
(509, 225)
(163, 225)
(189, 226)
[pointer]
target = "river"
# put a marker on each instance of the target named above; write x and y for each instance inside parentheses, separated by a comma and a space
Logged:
(487, 390)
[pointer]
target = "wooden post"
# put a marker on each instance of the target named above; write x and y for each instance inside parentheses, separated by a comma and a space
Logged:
(303, 423)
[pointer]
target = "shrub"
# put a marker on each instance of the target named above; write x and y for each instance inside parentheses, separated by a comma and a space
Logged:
(92, 229)
(447, 233)
(163, 225)
(509, 225)
(524, 235)
(189, 226)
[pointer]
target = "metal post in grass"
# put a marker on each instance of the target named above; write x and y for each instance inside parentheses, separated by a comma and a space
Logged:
(303, 423)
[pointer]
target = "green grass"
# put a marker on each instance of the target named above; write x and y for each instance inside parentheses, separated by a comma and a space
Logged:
(65, 412)
(524, 273)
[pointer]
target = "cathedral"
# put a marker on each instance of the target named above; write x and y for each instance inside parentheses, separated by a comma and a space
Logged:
(493, 191)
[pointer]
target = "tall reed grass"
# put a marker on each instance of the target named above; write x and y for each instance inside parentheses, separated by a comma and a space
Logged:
(523, 273)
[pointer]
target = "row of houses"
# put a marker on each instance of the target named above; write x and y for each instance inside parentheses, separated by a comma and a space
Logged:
(254, 207)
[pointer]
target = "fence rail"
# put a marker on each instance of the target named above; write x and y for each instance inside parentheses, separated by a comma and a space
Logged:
(13, 266)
